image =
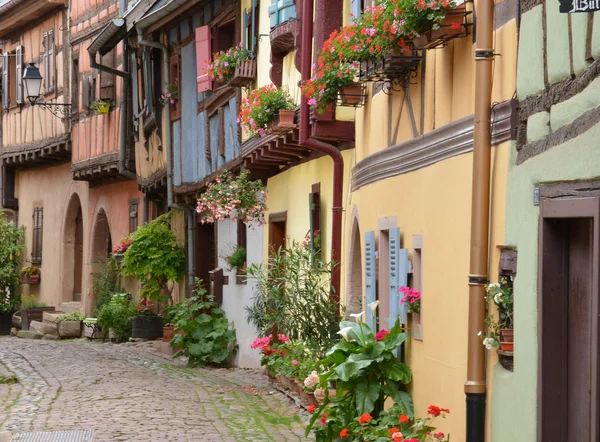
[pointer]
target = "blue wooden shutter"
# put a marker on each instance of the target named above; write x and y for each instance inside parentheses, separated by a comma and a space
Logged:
(370, 280)
(354, 9)
(281, 11)
(255, 15)
(273, 15)
(398, 277)
(245, 19)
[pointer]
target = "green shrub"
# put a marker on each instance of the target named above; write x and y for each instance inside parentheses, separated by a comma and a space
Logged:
(117, 315)
(209, 338)
(30, 301)
(237, 258)
(11, 244)
(105, 285)
(72, 317)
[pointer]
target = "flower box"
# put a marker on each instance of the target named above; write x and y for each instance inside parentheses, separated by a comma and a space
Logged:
(392, 68)
(245, 74)
(352, 95)
(284, 121)
(453, 26)
(30, 279)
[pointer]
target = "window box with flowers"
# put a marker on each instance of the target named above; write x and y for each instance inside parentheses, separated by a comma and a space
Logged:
(30, 275)
(450, 23)
(238, 198)
(500, 323)
(119, 251)
(268, 107)
(235, 66)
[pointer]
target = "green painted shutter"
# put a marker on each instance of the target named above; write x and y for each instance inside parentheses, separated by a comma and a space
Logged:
(398, 277)
(370, 279)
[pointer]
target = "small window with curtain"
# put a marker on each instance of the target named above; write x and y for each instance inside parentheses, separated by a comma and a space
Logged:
(38, 230)
(133, 214)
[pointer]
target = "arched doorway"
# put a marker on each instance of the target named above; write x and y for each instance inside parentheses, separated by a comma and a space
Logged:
(354, 298)
(73, 252)
(101, 248)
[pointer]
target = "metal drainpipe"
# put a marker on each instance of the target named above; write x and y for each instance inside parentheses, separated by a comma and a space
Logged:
(168, 142)
(475, 386)
(320, 146)
(123, 120)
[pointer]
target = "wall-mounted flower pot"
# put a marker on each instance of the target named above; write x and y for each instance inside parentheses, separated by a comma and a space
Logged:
(30, 279)
(147, 327)
(392, 67)
(102, 108)
(352, 95)
(507, 346)
(506, 335)
(286, 118)
(245, 74)
(454, 25)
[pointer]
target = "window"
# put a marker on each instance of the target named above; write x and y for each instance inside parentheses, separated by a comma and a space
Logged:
(250, 26)
(38, 221)
(358, 6)
(48, 61)
(133, 214)
(11, 65)
(281, 11)
(210, 40)
(315, 218)
(107, 81)
(174, 77)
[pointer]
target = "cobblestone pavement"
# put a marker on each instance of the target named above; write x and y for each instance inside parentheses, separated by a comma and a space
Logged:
(128, 393)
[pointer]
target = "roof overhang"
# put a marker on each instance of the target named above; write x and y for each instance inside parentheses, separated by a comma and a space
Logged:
(16, 15)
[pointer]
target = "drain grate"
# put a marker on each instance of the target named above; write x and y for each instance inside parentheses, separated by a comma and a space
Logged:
(55, 436)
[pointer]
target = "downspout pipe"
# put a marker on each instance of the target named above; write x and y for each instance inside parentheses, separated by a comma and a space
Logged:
(92, 51)
(168, 143)
(475, 386)
(326, 148)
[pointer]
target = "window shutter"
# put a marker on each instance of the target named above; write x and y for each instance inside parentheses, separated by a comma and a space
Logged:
(135, 94)
(133, 215)
(398, 277)
(19, 74)
(46, 79)
(273, 15)
(5, 78)
(174, 79)
(245, 24)
(286, 10)
(354, 9)
(370, 280)
(148, 81)
(85, 93)
(107, 81)
(203, 58)
(38, 221)
(51, 60)
(254, 18)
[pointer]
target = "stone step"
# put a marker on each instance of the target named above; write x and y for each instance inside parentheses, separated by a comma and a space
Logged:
(70, 307)
(28, 334)
(43, 328)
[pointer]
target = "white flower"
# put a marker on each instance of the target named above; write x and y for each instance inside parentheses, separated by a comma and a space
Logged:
(498, 298)
(373, 306)
(312, 379)
(357, 316)
(344, 332)
(479, 334)
(489, 343)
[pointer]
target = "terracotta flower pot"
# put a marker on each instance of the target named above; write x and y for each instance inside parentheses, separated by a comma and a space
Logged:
(507, 334)
(452, 23)
(507, 346)
(351, 95)
(168, 333)
(286, 118)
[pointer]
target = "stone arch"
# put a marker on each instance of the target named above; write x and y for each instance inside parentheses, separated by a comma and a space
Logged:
(101, 247)
(72, 252)
(354, 292)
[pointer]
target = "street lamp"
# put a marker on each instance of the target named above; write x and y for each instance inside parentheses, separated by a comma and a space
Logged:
(33, 83)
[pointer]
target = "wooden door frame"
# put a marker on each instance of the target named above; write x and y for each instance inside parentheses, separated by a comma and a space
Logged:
(566, 208)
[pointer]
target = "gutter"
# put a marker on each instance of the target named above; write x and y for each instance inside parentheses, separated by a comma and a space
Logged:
(168, 142)
(475, 386)
(160, 13)
(320, 146)
(97, 44)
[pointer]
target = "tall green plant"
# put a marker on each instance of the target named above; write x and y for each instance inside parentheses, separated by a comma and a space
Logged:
(118, 315)
(11, 244)
(155, 258)
(106, 284)
(293, 297)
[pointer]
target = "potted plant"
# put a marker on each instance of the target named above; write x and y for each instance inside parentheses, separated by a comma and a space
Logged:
(264, 106)
(30, 275)
(32, 310)
(69, 326)
(146, 323)
(117, 316)
(237, 260)
(120, 249)
(11, 246)
(236, 197)
(412, 299)
(499, 328)
(331, 80)
(100, 107)
(170, 94)
(234, 66)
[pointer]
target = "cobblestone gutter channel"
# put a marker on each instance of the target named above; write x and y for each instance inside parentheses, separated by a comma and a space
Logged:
(125, 392)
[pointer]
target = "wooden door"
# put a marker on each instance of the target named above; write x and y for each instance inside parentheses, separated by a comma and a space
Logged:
(78, 258)
(568, 325)
(277, 232)
(205, 252)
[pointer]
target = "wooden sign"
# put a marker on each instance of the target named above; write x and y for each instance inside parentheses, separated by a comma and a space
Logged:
(569, 6)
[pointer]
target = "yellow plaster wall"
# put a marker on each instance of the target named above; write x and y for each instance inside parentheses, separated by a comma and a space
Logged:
(436, 203)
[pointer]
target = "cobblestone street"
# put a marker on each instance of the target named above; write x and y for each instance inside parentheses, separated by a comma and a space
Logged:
(127, 393)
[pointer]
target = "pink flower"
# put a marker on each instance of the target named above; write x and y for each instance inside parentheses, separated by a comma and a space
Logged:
(439, 435)
(381, 334)
(294, 362)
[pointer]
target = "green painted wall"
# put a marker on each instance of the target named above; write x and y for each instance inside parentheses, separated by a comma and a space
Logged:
(514, 396)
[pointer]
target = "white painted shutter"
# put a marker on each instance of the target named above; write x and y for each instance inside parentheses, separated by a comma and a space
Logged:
(370, 278)
(46, 79)
(51, 80)
(5, 78)
(19, 74)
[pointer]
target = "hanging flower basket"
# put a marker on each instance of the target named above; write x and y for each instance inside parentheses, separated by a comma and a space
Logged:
(453, 26)
(352, 95)
(244, 74)
(390, 67)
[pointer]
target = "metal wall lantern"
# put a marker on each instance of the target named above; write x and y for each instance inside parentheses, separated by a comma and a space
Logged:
(33, 83)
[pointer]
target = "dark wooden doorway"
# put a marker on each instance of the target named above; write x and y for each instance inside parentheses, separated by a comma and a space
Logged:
(277, 231)
(568, 320)
(78, 257)
(205, 252)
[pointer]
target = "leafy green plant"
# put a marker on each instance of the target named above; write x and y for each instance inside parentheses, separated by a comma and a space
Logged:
(30, 301)
(293, 297)
(11, 245)
(366, 372)
(171, 314)
(208, 338)
(500, 295)
(105, 285)
(30, 271)
(237, 258)
(154, 258)
(99, 106)
(71, 317)
(117, 315)
(224, 63)
(261, 106)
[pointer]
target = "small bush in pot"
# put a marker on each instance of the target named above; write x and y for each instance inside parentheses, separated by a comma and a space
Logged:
(118, 315)
(237, 259)
(499, 323)
(261, 107)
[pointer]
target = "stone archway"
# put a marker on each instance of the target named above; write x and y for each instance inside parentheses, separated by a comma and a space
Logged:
(72, 246)
(101, 248)
(354, 292)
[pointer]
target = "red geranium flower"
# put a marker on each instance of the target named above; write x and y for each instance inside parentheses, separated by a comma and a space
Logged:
(344, 432)
(404, 419)
(311, 408)
(365, 418)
